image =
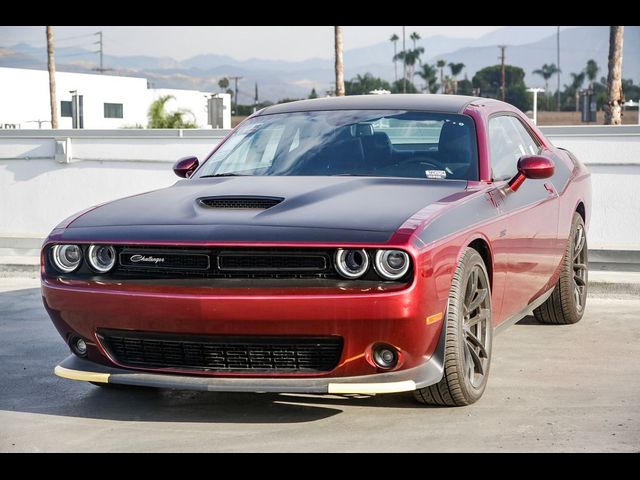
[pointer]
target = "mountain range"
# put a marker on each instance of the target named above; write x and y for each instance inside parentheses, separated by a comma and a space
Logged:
(528, 47)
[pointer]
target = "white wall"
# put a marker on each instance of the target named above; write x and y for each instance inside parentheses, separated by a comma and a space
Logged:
(612, 155)
(24, 97)
(36, 192)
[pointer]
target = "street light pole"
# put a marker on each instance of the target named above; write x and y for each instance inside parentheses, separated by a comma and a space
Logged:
(535, 92)
(558, 74)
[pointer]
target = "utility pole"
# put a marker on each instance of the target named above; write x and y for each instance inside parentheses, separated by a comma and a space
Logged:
(101, 68)
(235, 95)
(558, 92)
(404, 62)
(101, 52)
(255, 100)
(51, 64)
(503, 76)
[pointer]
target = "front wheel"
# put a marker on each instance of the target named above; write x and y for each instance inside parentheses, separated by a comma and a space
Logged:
(566, 303)
(468, 336)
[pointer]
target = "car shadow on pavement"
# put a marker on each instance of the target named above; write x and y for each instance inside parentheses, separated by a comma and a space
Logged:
(30, 347)
(531, 320)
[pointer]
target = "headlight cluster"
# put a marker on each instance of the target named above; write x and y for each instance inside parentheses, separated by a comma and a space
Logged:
(388, 264)
(67, 258)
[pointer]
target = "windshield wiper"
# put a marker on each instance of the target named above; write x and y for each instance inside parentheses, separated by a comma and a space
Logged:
(225, 175)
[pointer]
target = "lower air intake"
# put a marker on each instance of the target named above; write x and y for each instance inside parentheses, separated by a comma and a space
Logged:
(211, 354)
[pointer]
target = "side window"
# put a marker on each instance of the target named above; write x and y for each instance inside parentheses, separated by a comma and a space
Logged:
(508, 141)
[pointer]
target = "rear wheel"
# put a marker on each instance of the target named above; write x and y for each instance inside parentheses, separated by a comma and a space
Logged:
(566, 303)
(468, 336)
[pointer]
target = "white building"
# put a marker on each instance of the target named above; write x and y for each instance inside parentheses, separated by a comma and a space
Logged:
(107, 101)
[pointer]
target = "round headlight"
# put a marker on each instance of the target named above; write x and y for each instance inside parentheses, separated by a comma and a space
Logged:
(102, 258)
(392, 264)
(66, 258)
(351, 263)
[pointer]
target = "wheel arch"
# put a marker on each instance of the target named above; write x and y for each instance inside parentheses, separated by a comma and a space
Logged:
(482, 245)
(580, 208)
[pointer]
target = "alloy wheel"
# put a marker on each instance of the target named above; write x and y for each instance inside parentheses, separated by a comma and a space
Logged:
(580, 271)
(476, 325)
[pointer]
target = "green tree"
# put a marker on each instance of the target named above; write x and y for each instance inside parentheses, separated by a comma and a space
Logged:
(398, 87)
(487, 84)
(591, 70)
(455, 68)
(429, 74)
(223, 83)
(363, 84)
(160, 118)
(415, 36)
(573, 90)
(410, 58)
(465, 87)
(394, 39)
(546, 72)
(313, 93)
(441, 64)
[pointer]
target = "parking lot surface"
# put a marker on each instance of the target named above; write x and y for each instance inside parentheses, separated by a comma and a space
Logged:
(552, 388)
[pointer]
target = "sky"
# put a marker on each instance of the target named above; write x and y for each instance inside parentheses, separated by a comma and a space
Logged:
(290, 43)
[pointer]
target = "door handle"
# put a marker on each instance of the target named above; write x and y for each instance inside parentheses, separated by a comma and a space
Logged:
(550, 188)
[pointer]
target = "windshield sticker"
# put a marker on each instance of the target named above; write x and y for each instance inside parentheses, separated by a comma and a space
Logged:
(436, 174)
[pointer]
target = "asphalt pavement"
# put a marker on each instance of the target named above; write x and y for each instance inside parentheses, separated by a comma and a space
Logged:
(552, 388)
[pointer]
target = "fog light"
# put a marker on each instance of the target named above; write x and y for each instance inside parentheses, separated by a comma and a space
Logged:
(385, 356)
(79, 346)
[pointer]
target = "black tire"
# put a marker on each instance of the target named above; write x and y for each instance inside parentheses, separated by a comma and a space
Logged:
(568, 300)
(468, 337)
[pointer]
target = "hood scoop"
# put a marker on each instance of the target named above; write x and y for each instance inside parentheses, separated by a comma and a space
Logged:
(245, 202)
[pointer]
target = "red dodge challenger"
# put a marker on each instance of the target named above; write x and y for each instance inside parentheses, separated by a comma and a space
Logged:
(367, 244)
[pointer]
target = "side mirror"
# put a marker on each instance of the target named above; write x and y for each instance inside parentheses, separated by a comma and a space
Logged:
(535, 167)
(185, 167)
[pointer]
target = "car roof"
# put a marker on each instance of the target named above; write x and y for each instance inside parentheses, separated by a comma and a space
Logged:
(417, 102)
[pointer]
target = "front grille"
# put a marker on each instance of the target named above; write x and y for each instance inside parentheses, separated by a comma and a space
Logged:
(211, 354)
(162, 259)
(270, 262)
(176, 262)
(256, 203)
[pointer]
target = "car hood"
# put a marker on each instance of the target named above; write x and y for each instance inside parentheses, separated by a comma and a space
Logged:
(350, 209)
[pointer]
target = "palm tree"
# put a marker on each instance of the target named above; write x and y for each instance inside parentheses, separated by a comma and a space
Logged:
(576, 85)
(456, 68)
(441, 64)
(592, 70)
(415, 36)
(394, 38)
(613, 109)
(429, 74)
(410, 59)
(51, 64)
(339, 61)
(160, 118)
(546, 72)
(223, 83)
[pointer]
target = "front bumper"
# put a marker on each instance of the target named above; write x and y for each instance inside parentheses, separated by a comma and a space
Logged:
(430, 372)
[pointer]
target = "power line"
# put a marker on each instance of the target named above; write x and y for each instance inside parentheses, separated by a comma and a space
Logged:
(74, 37)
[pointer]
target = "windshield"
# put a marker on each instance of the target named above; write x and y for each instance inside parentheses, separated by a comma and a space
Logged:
(362, 143)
